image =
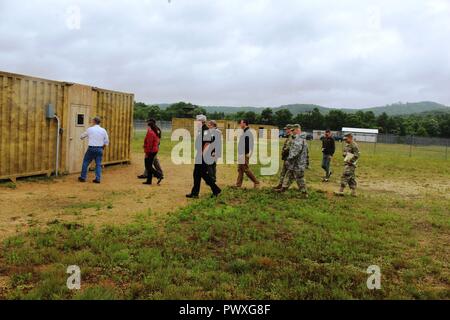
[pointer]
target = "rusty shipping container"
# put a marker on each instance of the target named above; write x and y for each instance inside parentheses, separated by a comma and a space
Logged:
(28, 138)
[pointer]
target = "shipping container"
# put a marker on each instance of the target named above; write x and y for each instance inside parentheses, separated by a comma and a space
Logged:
(29, 131)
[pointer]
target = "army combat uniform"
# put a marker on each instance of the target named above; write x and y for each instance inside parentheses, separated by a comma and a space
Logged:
(296, 163)
(284, 156)
(348, 177)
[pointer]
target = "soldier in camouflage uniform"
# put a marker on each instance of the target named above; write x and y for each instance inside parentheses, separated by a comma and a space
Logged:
(296, 163)
(285, 154)
(351, 156)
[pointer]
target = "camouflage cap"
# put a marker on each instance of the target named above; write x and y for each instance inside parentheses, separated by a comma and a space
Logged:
(348, 134)
(296, 126)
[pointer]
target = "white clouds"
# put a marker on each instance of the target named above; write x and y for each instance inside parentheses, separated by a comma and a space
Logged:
(231, 52)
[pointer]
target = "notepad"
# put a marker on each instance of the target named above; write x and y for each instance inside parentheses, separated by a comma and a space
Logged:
(349, 157)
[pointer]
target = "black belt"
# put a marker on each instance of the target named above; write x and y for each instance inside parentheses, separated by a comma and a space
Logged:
(95, 147)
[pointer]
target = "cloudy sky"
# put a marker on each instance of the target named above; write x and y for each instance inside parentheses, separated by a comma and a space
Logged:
(347, 53)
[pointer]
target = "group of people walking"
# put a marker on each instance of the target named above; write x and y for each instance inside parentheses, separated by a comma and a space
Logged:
(295, 156)
(207, 156)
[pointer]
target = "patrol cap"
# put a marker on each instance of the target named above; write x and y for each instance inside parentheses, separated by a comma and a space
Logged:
(296, 126)
(349, 134)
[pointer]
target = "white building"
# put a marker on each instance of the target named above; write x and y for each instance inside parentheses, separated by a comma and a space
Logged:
(362, 135)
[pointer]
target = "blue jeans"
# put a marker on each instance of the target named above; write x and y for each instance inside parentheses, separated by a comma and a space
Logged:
(326, 161)
(93, 153)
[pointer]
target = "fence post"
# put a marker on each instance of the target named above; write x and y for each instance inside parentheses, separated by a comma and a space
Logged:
(446, 150)
(411, 145)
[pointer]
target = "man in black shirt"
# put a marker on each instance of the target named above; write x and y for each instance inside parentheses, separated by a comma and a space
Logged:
(328, 149)
(244, 152)
(214, 152)
(201, 167)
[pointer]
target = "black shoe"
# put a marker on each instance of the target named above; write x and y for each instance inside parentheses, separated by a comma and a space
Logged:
(96, 181)
(159, 180)
(81, 180)
(216, 194)
(147, 182)
(142, 177)
(192, 196)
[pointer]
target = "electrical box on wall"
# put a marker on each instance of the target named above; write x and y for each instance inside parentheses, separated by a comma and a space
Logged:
(50, 111)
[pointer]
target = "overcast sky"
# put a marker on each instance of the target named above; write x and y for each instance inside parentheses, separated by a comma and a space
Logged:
(342, 53)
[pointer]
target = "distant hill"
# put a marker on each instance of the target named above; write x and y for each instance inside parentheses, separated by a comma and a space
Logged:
(392, 109)
(408, 108)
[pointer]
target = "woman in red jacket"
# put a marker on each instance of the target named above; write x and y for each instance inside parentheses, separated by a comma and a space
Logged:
(151, 148)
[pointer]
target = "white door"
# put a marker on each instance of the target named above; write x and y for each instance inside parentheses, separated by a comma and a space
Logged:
(78, 123)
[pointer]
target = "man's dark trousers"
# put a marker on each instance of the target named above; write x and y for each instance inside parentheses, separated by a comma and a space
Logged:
(201, 172)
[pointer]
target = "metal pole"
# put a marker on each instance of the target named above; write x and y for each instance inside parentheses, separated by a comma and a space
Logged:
(446, 150)
(410, 146)
(375, 145)
(57, 144)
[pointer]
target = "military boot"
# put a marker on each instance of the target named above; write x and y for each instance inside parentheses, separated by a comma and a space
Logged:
(354, 193)
(278, 187)
(339, 193)
(282, 190)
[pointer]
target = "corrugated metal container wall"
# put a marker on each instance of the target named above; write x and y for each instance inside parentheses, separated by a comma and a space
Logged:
(116, 110)
(223, 125)
(27, 138)
(183, 123)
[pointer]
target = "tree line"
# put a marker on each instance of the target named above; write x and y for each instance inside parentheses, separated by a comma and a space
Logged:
(430, 124)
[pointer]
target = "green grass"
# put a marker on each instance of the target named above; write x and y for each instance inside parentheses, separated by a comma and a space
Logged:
(253, 244)
(8, 185)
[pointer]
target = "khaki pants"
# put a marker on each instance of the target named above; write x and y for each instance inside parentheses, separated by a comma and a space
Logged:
(244, 168)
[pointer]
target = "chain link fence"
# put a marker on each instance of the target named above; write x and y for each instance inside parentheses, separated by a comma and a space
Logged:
(141, 125)
(409, 146)
(413, 146)
(405, 146)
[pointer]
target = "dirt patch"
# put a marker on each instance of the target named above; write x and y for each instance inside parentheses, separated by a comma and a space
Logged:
(121, 195)
(116, 201)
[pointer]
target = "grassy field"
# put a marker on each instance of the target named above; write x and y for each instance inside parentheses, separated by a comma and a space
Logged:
(257, 244)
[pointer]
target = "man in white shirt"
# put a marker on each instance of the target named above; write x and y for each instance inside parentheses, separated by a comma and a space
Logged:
(98, 140)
